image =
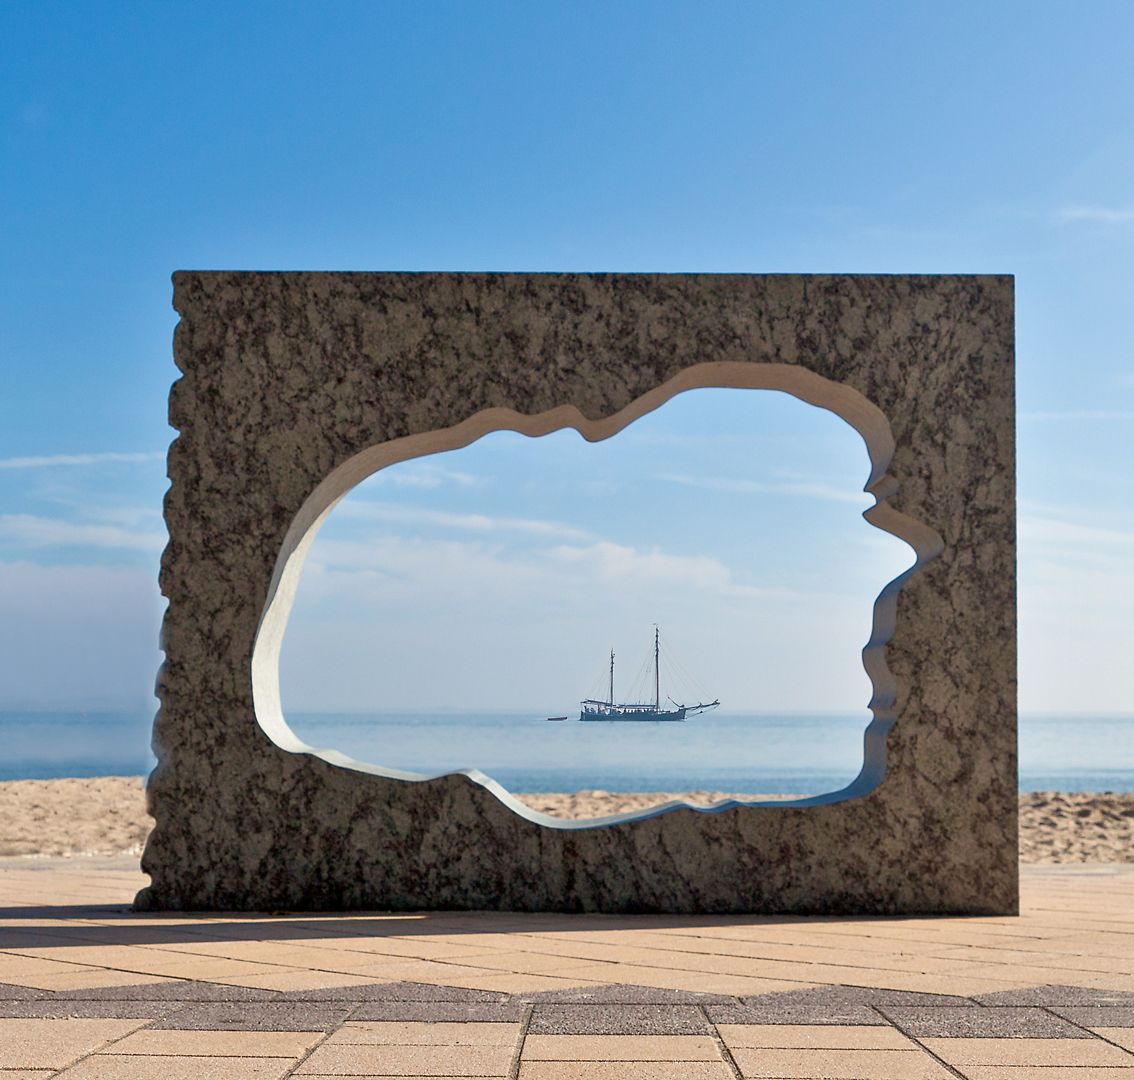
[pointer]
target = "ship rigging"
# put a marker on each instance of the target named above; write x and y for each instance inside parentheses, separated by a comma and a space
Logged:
(592, 709)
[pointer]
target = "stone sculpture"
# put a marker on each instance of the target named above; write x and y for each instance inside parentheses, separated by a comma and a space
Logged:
(296, 386)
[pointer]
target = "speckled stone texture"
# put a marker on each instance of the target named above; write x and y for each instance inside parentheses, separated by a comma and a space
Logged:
(292, 378)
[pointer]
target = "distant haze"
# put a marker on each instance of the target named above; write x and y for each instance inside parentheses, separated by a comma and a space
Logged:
(138, 139)
(501, 575)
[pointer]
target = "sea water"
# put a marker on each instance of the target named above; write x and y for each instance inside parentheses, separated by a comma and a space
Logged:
(742, 753)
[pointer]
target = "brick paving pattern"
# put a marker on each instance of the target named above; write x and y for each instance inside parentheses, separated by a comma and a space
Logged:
(91, 991)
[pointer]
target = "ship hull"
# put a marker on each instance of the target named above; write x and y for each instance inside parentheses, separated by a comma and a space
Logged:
(616, 714)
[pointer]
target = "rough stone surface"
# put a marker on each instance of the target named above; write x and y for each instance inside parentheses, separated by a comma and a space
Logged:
(20, 993)
(623, 994)
(840, 996)
(1108, 1016)
(982, 1023)
(258, 1016)
(399, 991)
(87, 1010)
(780, 1010)
(290, 379)
(179, 990)
(439, 1012)
(613, 1019)
(1059, 996)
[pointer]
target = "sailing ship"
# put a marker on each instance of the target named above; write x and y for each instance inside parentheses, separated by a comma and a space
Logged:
(592, 709)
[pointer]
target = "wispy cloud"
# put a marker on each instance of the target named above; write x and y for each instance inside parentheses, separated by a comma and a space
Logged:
(54, 460)
(424, 476)
(128, 517)
(1107, 215)
(619, 564)
(1047, 530)
(1079, 414)
(1077, 566)
(28, 530)
(479, 523)
(802, 489)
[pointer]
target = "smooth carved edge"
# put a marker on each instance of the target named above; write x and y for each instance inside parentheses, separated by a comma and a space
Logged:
(865, 417)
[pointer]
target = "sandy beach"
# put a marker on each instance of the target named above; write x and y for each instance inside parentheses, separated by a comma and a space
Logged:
(107, 816)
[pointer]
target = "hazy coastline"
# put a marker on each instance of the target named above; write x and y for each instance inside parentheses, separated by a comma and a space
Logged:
(731, 752)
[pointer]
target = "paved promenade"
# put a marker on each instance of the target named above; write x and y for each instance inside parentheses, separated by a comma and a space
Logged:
(89, 990)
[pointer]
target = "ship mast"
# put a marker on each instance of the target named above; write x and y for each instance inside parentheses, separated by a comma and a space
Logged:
(611, 702)
(657, 690)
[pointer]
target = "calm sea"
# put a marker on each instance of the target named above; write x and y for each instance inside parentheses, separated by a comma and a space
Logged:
(720, 752)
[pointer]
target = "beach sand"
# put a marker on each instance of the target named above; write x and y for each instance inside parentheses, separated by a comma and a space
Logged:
(106, 815)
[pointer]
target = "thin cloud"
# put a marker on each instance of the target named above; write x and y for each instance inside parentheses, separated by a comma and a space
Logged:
(1107, 215)
(1036, 529)
(1076, 565)
(1080, 414)
(442, 575)
(128, 517)
(29, 530)
(53, 460)
(424, 477)
(808, 490)
(608, 562)
(479, 523)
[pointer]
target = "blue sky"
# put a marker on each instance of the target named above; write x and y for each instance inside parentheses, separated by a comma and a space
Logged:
(140, 139)
(731, 518)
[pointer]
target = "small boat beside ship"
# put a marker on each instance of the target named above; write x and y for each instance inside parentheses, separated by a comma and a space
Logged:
(591, 709)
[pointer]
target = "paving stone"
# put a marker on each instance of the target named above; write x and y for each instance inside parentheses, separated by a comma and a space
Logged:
(1057, 995)
(1030, 1052)
(841, 1064)
(1017, 1020)
(982, 1023)
(169, 1067)
(617, 1019)
(620, 1048)
(63, 977)
(177, 990)
(396, 991)
(1122, 1036)
(271, 1044)
(402, 1033)
(88, 1010)
(794, 1013)
(8, 992)
(1113, 1016)
(52, 1044)
(813, 1037)
(415, 1061)
(624, 1070)
(1039, 1072)
(256, 1016)
(628, 995)
(856, 995)
(446, 1011)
